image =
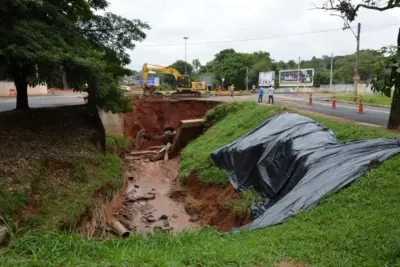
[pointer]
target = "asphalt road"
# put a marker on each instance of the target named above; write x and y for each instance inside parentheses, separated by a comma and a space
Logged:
(41, 101)
(371, 115)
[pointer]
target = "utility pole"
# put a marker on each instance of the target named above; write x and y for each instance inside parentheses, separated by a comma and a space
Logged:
(357, 75)
(330, 84)
(247, 78)
(186, 38)
(298, 75)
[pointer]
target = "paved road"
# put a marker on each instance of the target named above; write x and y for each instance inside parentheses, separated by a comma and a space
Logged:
(41, 101)
(371, 115)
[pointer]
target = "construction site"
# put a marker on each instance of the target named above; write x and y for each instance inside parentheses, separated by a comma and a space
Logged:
(255, 139)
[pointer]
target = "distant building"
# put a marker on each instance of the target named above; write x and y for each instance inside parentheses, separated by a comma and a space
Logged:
(130, 81)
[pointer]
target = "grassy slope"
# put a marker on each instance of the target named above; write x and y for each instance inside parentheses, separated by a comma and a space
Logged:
(60, 170)
(378, 100)
(356, 227)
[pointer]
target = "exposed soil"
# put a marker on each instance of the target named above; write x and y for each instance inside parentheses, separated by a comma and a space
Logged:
(143, 204)
(208, 201)
(291, 263)
(152, 197)
(156, 116)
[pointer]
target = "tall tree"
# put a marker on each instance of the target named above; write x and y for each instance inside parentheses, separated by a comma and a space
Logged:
(390, 72)
(196, 64)
(37, 37)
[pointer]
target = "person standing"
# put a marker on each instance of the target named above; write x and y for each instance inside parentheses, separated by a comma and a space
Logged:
(232, 89)
(271, 94)
(260, 94)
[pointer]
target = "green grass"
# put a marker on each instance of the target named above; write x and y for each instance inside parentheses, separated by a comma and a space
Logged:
(61, 198)
(378, 100)
(116, 142)
(235, 120)
(359, 226)
(242, 205)
(62, 206)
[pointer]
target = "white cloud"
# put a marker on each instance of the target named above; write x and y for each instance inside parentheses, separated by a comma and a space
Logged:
(219, 20)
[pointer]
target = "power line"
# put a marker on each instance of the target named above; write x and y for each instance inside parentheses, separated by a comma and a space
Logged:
(266, 38)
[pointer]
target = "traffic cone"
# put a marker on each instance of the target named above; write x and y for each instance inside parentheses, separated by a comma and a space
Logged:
(361, 106)
(334, 101)
(310, 101)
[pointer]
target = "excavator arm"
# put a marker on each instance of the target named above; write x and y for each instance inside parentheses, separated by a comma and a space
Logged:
(182, 82)
(160, 69)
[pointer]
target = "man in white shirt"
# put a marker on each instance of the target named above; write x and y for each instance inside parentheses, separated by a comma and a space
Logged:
(271, 94)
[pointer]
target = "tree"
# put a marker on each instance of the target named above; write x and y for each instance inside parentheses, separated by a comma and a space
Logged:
(232, 66)
(291, 64)
(38, 38)
(261, 66)
(388, 72)
(196, 65)
(344, 66)
(387, 79)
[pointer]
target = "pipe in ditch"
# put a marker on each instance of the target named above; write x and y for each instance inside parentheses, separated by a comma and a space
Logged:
(119, 229)
(138, 135)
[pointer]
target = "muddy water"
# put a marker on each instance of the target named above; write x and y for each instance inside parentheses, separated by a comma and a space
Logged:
(146, 205)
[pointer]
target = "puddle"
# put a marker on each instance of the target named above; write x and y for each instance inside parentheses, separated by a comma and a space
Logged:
(144, 205)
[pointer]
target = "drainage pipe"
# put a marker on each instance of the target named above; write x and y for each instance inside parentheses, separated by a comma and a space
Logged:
(119, 229)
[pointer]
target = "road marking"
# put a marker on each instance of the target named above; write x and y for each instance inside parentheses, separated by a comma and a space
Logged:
(324, 104)
(7, 101)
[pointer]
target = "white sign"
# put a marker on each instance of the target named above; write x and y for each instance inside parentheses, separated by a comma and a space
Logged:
(302, 77)
(266, 78)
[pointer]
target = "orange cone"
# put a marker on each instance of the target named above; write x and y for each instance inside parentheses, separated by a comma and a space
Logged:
(310, 101)
(334, 101)
(360, 106)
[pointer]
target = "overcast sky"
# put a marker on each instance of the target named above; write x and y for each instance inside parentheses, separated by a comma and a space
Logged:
(226, 20)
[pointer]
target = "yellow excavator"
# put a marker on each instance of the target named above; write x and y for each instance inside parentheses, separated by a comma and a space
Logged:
(184, 88)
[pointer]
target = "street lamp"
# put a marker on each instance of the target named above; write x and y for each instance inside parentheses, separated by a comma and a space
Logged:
(223, 80)
(186, 38)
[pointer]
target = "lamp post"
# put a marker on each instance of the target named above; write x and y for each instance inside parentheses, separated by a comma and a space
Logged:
(298, 75)
(186, 38)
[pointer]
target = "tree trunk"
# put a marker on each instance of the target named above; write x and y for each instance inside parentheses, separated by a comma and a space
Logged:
(21, 83)
(394, 118)
(64, 80)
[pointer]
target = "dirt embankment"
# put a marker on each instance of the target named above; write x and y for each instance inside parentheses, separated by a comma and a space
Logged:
(46, 160)
(209, 202)
(156, 116)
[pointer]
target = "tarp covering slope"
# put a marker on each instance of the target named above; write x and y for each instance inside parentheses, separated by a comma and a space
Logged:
(293, 162)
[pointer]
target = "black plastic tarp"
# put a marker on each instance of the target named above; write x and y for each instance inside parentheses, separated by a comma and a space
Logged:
(293, 162)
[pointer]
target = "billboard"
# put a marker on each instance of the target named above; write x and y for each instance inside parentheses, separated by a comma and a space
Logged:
(207, 79)
(266, 78)
(302, 77)
(151, 81)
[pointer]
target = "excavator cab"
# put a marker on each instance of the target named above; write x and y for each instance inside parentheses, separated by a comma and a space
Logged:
(183, 83)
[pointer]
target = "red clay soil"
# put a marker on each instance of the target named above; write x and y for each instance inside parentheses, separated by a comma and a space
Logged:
(209, 201)
(156, 116)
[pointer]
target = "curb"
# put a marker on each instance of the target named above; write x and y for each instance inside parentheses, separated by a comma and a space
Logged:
(355, 103)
